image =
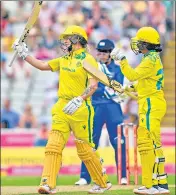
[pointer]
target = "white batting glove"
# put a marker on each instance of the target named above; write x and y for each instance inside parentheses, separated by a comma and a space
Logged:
(120, 98)
(73, 105)
(116, 54)
(21, 48)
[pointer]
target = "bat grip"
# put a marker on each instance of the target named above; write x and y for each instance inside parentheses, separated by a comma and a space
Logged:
(12, 60)
(131, 95)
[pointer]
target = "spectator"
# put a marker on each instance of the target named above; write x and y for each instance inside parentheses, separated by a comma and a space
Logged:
(4, 20)
(131, 21)
(42, 53)
(49, 40)
(20, 70)
(72, 16)
(28, 119)
(45, 17)
(43, 134)
(9, 117)
(157, 14)
(3, 63)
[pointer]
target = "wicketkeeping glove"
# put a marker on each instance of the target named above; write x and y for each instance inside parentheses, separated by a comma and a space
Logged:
(21, 48)
(116, 54)
(73, 105)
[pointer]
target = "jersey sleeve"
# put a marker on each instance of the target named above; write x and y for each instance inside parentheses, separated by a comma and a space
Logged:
(143, 70)
(55, 64)
(119, 76)
(91, 60)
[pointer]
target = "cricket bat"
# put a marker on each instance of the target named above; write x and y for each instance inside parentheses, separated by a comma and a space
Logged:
(103, 78)
(31, 21)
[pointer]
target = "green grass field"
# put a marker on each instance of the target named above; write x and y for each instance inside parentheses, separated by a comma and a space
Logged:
(65, 184)
(61, 180)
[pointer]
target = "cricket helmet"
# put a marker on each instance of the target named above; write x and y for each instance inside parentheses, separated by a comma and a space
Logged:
(146, 38)
(74, 30)
(105, 45)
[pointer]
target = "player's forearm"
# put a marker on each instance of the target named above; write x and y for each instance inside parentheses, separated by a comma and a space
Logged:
(128, 72)
(89, 91)
(37, 63)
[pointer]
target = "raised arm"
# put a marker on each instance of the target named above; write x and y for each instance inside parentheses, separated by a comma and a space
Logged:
(22, 50)
(37, 63)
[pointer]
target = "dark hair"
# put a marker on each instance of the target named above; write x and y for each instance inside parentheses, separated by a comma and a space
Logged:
(155, 47)
(142, 45)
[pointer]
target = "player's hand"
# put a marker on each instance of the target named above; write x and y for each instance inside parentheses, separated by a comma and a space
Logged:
(73, 105)
(21, 48)
(116, 86)
(130, 88)
(116, 54)
(120, 98)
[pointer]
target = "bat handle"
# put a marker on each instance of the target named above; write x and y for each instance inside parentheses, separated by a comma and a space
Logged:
(131, 95)
(14, 56)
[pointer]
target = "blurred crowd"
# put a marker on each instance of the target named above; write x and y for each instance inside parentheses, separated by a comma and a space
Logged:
(115, 20)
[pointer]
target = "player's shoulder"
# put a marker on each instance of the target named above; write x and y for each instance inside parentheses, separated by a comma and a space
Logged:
(151, 57)
(89, 56)
(64, 57)
(115, 66)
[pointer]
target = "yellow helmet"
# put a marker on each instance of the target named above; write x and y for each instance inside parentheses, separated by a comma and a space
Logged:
(74, 30)
(146, 38)
(148, 35)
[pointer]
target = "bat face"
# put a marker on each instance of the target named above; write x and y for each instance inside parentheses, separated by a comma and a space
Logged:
(32, 19)
(103, 78)
(100, 76)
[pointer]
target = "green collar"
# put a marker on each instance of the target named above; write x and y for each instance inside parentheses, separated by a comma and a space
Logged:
(149, 53)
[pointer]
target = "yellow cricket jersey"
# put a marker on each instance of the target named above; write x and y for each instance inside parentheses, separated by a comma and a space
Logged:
(149, 75)
(73, 78)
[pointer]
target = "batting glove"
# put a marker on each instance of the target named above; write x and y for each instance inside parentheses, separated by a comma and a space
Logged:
(116, 54)
(21, 48)
(73, 105)
(120, 98)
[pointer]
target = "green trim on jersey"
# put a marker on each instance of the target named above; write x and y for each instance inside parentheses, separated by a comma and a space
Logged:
(148, 114)
(89, 122)
(80, 56)
(160, 80)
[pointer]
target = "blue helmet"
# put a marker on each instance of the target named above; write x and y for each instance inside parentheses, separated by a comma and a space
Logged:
(105, 45)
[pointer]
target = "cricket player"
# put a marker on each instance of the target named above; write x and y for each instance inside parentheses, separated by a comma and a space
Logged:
(149, 75)
(73, 110)
(107, 110)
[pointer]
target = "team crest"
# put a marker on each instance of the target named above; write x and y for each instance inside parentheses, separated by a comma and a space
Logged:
(78, 64)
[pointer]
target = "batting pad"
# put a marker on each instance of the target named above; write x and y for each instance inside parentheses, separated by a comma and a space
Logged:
(146, 150)
(53, 158)
(92, 163)
(159, 175)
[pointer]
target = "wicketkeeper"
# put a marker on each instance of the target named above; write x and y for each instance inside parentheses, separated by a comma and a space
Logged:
(152, 107)
(73, 110)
